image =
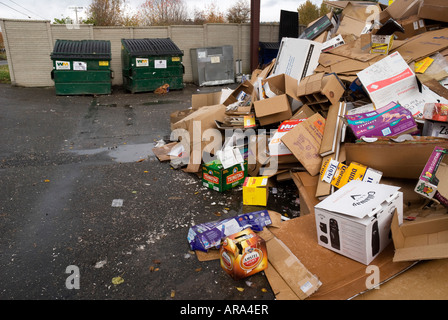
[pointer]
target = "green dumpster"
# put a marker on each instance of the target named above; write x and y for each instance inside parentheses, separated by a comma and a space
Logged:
(82, 67)
(151, 63)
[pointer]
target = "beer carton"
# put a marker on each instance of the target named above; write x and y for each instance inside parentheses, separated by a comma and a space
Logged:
(243, 254)
(215, 177)
(339, 174)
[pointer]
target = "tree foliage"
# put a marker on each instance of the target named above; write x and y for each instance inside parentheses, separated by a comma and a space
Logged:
(239, 13)
(158, 13)
(210, 14)
(308, 12)
(105, 12)
(163, 12)
(62, 21)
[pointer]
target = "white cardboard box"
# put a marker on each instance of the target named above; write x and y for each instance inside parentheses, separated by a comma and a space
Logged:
(355, 220)
(297, 58)
(435, 129)
(389, 79)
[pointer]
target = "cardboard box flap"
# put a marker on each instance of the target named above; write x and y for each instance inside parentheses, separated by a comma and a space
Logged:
(205, 99)
(267, 107)
(279, 286)
(434, 10)
(310, 84)
(401, 9)
(245, 87)
(289, 267)
(304, 141)
(358, 10)
(333, 88)
(282, 84)
(420, 240)
(436, 251)
(358, 199)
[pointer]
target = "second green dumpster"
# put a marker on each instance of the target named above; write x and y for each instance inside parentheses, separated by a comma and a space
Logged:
(151, 63)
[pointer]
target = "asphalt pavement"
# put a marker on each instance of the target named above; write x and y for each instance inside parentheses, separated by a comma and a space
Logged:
(64, 160)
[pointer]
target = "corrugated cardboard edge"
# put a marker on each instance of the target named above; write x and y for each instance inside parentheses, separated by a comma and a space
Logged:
(288, 277)
(307, 186)
(278, 285)
(293, 140)
(341, 277)
(302, 282)
(418, 252)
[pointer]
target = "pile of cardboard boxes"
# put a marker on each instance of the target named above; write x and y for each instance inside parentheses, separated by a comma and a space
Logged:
(355, 113)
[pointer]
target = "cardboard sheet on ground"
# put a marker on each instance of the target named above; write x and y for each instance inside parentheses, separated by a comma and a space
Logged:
(341, 277)
(163, 152)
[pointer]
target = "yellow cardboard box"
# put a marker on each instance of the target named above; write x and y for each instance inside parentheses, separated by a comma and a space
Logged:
(255, 191)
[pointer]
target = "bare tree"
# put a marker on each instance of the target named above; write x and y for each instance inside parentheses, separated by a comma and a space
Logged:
(163, 12)
(239, 13)
(105, 12)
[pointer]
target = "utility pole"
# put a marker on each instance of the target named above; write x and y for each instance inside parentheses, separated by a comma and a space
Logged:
(76, 11)
(254, 33)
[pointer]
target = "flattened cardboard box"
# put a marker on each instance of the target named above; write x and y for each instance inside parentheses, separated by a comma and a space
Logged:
(304, 141)
(289, 277)
(389, 79)
(423, 45)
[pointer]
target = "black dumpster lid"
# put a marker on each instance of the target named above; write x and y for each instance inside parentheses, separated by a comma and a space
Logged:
(269, 45)
(81, 49)
(151, 47)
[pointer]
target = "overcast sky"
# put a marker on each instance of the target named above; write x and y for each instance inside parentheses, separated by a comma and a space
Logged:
(50, 9)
